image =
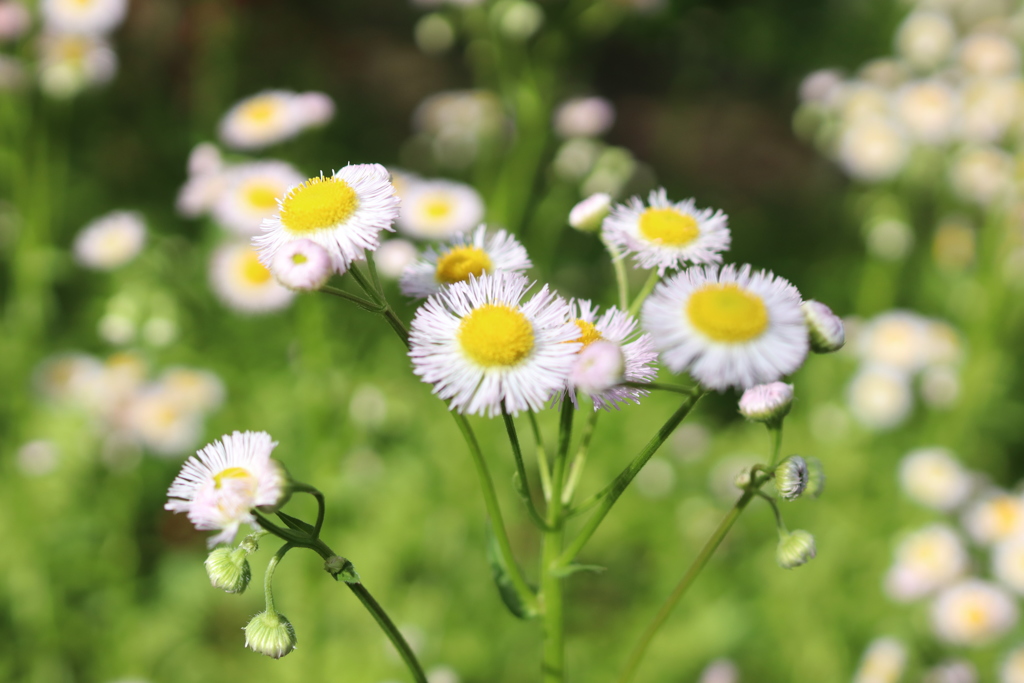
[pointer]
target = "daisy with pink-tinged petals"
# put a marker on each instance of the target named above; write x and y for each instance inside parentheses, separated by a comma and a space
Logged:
(638, 356)
(219, 487)
(486, 351)
(302, 265)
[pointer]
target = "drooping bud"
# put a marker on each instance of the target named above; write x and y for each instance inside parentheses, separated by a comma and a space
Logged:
(815, 478)
(587, 215)
(271, 634)
(824, 327)
(228, 569)
(791, 477)
(302, 265)
(795, 548)
(767, 402)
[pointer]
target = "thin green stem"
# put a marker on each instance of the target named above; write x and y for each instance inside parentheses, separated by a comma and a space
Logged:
(357, 300)
(268, 578)
(621, 280)
(553, 666)
(320, 502)
(526, 594)
(615, 489)
(775, 433)
(779, 523)
(542, 458)
(368, 289)
(579, 461)
(655, 386)
(389, 628)
(648, 287)
(524, 486)
(684, 584)
(383, 307)
(372, 267)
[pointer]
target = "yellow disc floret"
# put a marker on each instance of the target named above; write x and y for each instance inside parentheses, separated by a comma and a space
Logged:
(263, 196)
(230, 473)
(496, 335)
(318, 203)
(668, 227)
(260, 110)
(461, 262)
(252, 271)
(727, 313)
(437, 207)
(588, 333)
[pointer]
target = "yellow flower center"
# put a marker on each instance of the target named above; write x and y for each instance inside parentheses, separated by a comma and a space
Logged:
(252, 271)
(230, 473)
(727, 313)
(461, 262)
(496, 335)
(318, 203)
(260, 110)
(588, 333)
(438, 207)
(72, 49)
(299, 259)
(1007, 515)
(262, 196)
(668, 227)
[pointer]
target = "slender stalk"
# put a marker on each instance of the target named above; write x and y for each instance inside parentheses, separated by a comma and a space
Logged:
(775, 433)
(524, 492)
(526, 594)
(268, 578)
(362, 303)
(372, 267)
(542, 458)
(553, 665)
(615, 489)
(655, 386)
(636, 656)
(321, 504)
(579, 461)
(648, 287)
(389, 628)
(621, 280)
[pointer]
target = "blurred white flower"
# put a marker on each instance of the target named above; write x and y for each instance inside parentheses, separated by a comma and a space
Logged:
(242, 283)
(973, 612)
(439, 209)
(989, 54)
(879, 397)
(584, 117)
(37, 458)
(110, 241)
(996, 516)
(952, 671)
(720, 671)
(925, 38)
(883, 662)
(15, 20)
(927, 109)
(251, 192)
(1012, 670)
(1008, 563)
(895, 339)
(935, 478)
(873, 149)
(989, 106)
(93, 17)
(70, 63)
(982, 174)
(393, 256)
(926, 560)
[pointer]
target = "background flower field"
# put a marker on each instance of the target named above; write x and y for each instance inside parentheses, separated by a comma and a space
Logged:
(112, 376)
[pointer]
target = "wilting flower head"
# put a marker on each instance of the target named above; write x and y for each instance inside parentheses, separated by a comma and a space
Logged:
(484, 349)
(110, 241)
(973, 612)
(667, 234)
(464, 257)
(221, 485)
(242, 283)
(343, 213)
(727, 327)
(439, 209)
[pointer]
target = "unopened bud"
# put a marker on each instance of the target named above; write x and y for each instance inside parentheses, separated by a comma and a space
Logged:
(271, 634)
(599, 367)
(791, 477)
(587, 215)
(824, 327)
(228, 569)
(767, 402)
(815, 478)
(795, 548)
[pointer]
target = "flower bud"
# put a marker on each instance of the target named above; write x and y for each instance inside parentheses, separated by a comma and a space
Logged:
(794, 549)
(271, 634)
(587, 215)
(767, 402)
(815, 478)
(228, 569)
(825, 327)
(302, 265)
(791, 477)
(599, 367)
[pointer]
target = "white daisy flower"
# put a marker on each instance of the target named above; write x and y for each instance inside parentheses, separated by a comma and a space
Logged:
(983, 175)
(439, 209)
(205, 158)
(302, 265)
(895, 339)
(989, 54)
(197, 390)
(15, 20)
(973, 612)
(883, 662)
(162, 424)
(314, 108)
(464, 257)
(935, 478)
(482, 348)
(599, 368)
(244, 284)
(1008, 563)
(989, 107)
(727, 326)
(584, 117)
(69, 63)
(1012, 670)
(261, 120)
(880, 397)
(220, 485)
(638, 355)
(343, 213)
(925, 38)
(92, 17)
(998, 515)
(110, 241)
(928, 109)
(872, 148)
(925, 561)
(251, 193)
(393, 256)
(667, 234)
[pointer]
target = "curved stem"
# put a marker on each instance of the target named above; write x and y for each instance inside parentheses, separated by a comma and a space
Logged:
(524, 485)
(321, 504)
(781, 525)
(615, 489)
(648, 287)
(702, 558)
(775, 432)
(619, 265)
(268, 578)
(526, 594)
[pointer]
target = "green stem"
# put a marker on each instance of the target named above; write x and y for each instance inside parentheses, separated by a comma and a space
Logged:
(615, 489)
(580, 459)
(542, 458)
(621, 280)
(684, 584)
(524, 486)
(526, 594)
(648, 287)
(268, 578)
(372, 267)
(775, 432)
(655, 386)
(357, 300)
(553, 666)
(320, 502)
(390, 630)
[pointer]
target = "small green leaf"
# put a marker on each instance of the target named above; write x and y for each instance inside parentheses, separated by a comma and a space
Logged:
(501, 579)
(296, 524)
(341, 569)
(570, 569)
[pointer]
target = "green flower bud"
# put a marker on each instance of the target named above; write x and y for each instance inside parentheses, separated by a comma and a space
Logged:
(815, 478)
(824, 327)
(271, 634)
(791, 477)
(794, 549)
(228, 569)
